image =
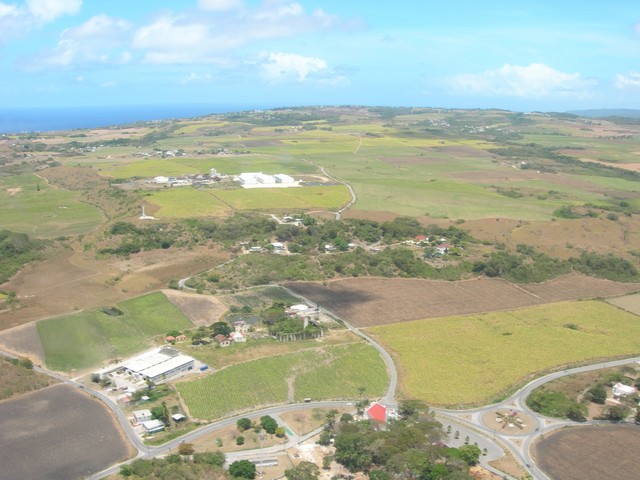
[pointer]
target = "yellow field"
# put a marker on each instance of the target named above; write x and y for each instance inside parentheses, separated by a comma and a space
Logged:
(185, 202)
(473, 359)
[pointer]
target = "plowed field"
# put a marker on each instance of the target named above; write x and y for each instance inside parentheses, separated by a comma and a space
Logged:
(366, 302)
(590, 452)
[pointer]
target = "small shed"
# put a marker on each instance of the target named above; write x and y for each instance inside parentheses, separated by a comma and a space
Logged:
(622, 390)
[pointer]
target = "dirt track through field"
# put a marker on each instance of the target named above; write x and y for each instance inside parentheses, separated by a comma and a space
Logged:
(367, 302)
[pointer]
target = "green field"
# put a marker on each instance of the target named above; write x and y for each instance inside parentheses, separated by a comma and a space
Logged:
(186, 202)
(474, 359)
(319, 373)
(300, 198)
(48, 213)
(86, 339)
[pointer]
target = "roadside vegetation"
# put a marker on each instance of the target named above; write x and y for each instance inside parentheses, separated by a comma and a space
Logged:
(17, 377)
(588, 396)
(17, 250)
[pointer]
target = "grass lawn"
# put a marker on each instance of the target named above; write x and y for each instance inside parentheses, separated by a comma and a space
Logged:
(320, 373)
(48, 213)
(86, 339)
(474, 359)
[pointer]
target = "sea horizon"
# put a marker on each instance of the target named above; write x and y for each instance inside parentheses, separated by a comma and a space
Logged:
(46, 119)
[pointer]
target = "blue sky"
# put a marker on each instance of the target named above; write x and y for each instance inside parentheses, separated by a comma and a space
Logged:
(528, 55)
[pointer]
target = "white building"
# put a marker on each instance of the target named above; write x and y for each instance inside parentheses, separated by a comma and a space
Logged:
(238, 337)
(161, 179)
(153, 426)
(159, 364)
(622, 390)
(283, 178)
(141, 416)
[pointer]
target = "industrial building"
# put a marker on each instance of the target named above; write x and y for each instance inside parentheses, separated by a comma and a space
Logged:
(159, 364)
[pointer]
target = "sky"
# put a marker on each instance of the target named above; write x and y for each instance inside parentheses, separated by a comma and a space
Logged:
(528, 55)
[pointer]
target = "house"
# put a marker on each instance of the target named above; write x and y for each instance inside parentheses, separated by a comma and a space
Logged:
(140, 416)
(420, 238)
(238, 337)
(223, 340)
(241, 326)
(377, 412)
(170, 338)
(153, 426)
(622, 390)
(277, 246)
(181, 338)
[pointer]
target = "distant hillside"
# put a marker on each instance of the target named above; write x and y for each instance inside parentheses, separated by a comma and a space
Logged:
(608, 112)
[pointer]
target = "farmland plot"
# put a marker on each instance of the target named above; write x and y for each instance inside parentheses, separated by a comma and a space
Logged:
(474, 359)
(319, 373)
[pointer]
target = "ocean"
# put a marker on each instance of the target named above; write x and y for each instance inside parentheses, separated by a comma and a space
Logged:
(15, 120)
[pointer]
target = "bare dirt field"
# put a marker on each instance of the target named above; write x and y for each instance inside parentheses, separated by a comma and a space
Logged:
(630, 303)
(590, 452)
(57, 433)
(378, 301)
(23, 341)
(77, 281)
(224, 439)
(200, 309)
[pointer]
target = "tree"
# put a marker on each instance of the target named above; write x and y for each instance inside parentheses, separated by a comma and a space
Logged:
(161, 413)
(470, 454)
(597, 394)
(280, 432)
(269, 424)
(411, 409)
(220, 328)
(617, 413)
(239, 440)
(346, 418)
(303, 471)
(577, 412)
(243, 469)
(243, 424)
(330, 417)
(186, 449)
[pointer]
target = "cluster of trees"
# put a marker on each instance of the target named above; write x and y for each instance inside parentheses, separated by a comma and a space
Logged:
(528, 265)
(552, 403)
(184, 465)
(410, 447)
(16, 250)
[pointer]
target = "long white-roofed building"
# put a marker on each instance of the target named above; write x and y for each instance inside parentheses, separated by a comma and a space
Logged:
(159, 364)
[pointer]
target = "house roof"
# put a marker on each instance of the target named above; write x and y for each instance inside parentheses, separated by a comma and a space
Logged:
(377, 412)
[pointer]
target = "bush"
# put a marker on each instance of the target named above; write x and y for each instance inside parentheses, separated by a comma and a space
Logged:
(243, 469)
(243, 424)
(239, 440)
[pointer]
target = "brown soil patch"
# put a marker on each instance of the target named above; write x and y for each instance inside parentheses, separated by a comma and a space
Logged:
(57, 432)
(378, 301)
(590, 452)
(23, 341)
(630, 303)
(508, 465)
(200, 309)
(77, 281)
(228, 435)
(307, 420)
(13, 191)
(479, 473)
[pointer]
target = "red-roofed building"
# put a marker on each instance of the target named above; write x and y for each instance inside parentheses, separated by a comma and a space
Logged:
(377, 412)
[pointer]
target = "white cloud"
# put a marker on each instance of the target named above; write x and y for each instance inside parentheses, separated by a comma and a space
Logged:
(287, 65)
(92, 41)
(196, 78)
(202, 38)
(532, 81)
(631, 81)
(220, 5)
(49, 10)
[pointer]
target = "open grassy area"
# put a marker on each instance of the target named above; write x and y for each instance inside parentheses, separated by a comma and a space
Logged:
(473, 359)
(186, 202)
(88, 338)
(45, 213)
(341, 369)
(300, 198)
